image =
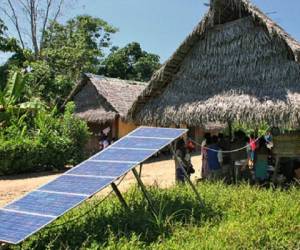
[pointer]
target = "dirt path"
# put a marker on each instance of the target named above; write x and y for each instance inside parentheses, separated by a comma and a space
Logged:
(160, 172)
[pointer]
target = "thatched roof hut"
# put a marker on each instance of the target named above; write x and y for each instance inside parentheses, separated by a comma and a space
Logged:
(101, 99)
(237, 65)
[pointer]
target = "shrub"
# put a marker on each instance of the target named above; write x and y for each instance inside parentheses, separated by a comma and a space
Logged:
(51, 142)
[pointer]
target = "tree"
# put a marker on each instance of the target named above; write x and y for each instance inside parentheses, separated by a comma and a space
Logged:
(78, 45)
(69, 49)
(6, 44)
(30, 18)
(130, 62)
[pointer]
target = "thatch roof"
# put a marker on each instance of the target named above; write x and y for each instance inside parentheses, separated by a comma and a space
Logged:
(237, 64)
(99, 99)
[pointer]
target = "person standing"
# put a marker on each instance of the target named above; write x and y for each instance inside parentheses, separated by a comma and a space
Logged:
(204, 144)
(261, 161)
(238, 157)
(253, 146)
(188, 166)
(224, 144)
(214, 157)
(179, 161)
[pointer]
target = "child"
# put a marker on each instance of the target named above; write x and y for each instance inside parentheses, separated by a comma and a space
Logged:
(252, 147)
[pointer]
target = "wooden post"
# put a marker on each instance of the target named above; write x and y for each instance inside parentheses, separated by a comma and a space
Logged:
(119, 195)
(144, 191)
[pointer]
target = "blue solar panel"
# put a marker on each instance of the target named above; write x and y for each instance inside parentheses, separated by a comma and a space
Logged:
(27, 215)
(134, 142)
(114, 154)
(46, 203)
(102, 168)
(14, 227)
(77, 184)
(159, 132)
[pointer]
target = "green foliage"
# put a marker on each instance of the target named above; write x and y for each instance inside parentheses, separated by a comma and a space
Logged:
(15, 101)
(6, 44)
(70, 49)
(234, 217)
(77, 131)
(14, 89)
(130, 62)
(260, 129)
(41, 140)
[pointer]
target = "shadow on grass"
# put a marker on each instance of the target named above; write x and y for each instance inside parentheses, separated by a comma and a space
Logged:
(175, 207)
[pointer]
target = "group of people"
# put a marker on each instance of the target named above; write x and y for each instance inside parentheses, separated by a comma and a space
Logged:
(221, 156)
(247, 157)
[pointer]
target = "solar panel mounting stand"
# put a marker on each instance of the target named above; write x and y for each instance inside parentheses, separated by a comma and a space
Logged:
(119, 195)
(187, 178)
(144, 191)
(141, 167)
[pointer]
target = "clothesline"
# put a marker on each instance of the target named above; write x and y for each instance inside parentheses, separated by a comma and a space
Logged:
(227, 151)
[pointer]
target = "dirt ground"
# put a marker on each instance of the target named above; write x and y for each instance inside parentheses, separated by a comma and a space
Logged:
(159, 172)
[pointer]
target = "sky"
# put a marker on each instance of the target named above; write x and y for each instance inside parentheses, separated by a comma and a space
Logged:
(161, 25)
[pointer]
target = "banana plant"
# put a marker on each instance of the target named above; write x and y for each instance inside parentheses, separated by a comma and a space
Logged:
(13, 99)
(14, 89)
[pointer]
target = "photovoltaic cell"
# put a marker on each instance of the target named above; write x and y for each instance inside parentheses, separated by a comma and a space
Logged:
(46, 203)
(16, 226)
(102, 168)
(76, 184)
(159, 132)
(22, 218)
(133, 142)
(114, 154)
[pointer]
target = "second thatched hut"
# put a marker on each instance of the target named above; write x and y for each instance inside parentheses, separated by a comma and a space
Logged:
(103, 103)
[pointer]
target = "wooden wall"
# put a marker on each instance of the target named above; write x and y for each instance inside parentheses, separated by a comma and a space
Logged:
(125, 127)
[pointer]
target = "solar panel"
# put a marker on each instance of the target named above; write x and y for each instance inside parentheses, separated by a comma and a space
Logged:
(99, 168)
(52, 204)
(136, 142)
(158, 132)
(24, 217)
(80, 185)
(124, 155)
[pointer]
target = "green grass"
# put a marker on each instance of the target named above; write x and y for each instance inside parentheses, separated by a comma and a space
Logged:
(234, 217)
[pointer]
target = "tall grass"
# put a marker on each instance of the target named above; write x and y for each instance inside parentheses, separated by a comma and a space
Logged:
(234, 217)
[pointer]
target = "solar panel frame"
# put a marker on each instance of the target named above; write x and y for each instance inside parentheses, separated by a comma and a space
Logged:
(183, 131)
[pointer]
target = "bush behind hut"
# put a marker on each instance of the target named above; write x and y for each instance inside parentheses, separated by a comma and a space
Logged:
(51, 141)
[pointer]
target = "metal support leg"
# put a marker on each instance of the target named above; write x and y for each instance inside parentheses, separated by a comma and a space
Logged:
(143, 188)
(140, 173)
(188, 178)
(119, 195)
